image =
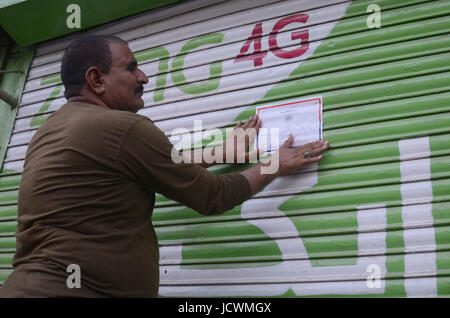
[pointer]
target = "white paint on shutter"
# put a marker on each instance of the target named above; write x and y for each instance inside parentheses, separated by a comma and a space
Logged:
(417, 214)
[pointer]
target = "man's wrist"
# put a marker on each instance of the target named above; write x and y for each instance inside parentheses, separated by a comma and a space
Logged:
(258, 178)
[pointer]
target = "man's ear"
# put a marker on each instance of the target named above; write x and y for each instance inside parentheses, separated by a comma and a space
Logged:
(94, 80)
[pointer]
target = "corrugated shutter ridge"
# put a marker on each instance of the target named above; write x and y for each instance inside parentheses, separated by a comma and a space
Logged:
(377, 204)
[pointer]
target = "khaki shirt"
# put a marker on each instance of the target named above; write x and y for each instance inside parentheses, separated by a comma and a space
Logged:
(87, 195)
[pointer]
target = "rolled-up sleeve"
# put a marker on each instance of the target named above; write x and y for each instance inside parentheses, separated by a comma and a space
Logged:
(145, 155)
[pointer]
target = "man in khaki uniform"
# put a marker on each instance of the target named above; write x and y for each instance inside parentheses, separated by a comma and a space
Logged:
(90, 176)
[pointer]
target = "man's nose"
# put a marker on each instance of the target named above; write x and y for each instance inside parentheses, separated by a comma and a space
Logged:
(142, 78)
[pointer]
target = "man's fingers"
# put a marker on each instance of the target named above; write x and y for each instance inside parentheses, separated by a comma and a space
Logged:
(248, 122)
(255, 120)
(251, 128)
(252, 122)
(258, 125)
(306, 156)
(313, 153)
(319, 144)
(301, 160)
(315, 144)
(313, 159)
(312, 146)
(317, 151)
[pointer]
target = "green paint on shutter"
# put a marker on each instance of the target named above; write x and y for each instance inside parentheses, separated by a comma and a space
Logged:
(322, 224)
(442, 235)
(39, 119)
(373, 56)
(7, 244)
(394, 288)
(8, 212)
(4, 273)
(8, 228)
(441, 190)
(441, 212)
(215, 68)
(51, 79)
(443, 285)
(395, 264)
(342, 200)
(9, 197)
(440, 167)
(395, 242)
(210, 232)
(181, 214)
(440, 144)
(443, 261)
(358, 177)
(6, 259)
(231, 252)
(9, 182)
(390, 110)
(393, 17)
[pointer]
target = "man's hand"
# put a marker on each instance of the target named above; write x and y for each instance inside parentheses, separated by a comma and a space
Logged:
(292, 159)
(288, 160)
(236, 147)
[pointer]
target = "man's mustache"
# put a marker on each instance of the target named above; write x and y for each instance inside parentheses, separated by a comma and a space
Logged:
(139, 89)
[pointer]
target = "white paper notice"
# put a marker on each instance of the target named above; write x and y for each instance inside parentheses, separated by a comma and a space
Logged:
(301, 117)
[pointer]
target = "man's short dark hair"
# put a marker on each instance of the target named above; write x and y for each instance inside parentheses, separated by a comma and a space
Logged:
(81, 54)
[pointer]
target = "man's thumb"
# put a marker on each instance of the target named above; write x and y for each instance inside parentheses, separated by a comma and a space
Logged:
(288, 142)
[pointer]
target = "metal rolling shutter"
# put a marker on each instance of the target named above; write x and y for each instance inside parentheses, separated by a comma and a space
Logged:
(378, 203)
